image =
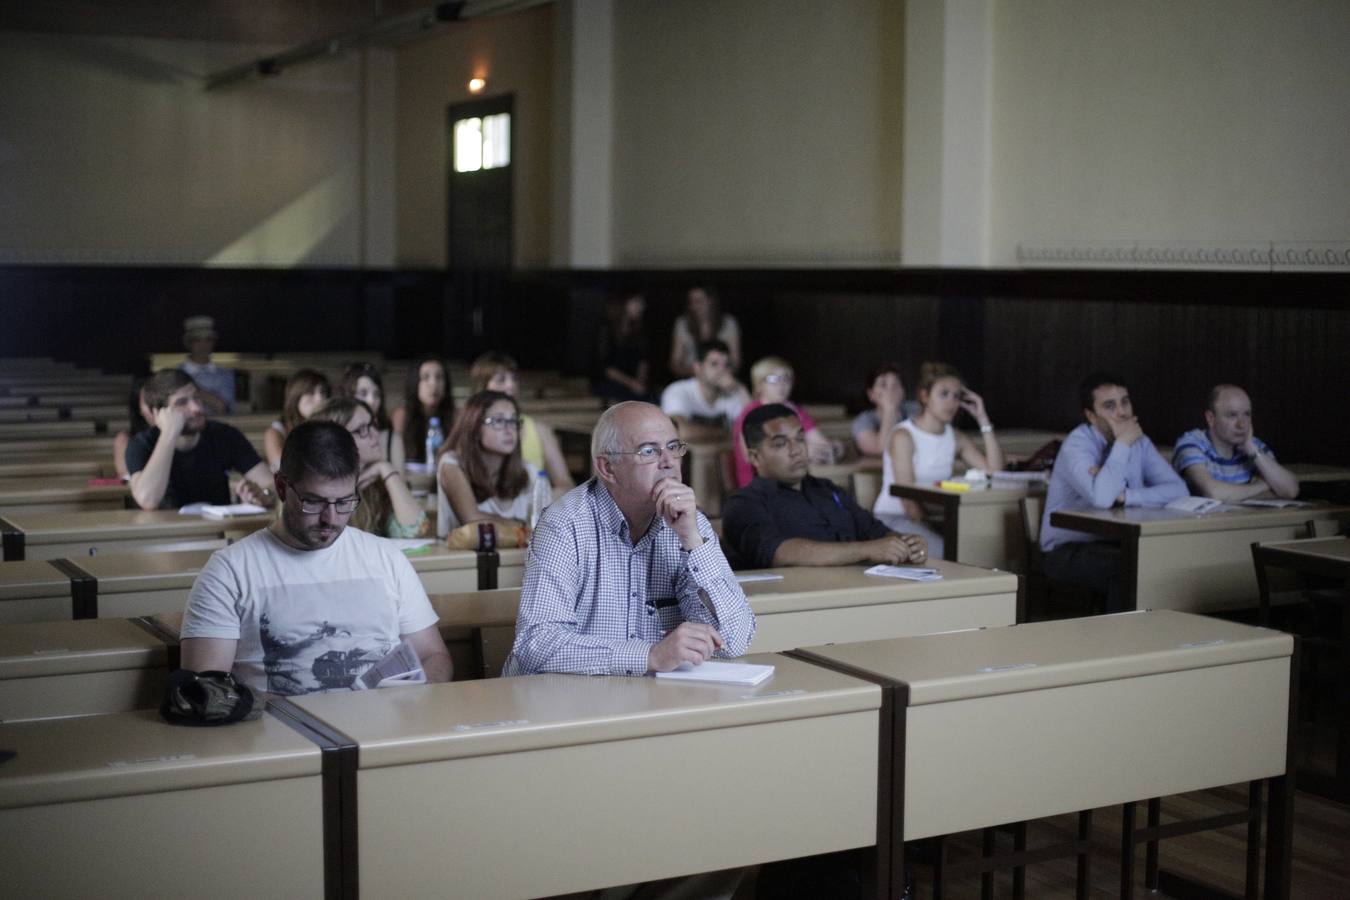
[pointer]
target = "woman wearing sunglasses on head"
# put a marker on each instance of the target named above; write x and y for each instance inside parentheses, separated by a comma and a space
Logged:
(479, 476)
(388, 507)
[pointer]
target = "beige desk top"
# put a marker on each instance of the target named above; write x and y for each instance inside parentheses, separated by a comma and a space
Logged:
(81, 467)
(1319, 472)
(1334, 549)
(14, 491)
(145, 571)
(13, 415)
(29, 578)
(983, 494)
(89, 757)
(964, 664)
(1149, 521)
(440, 558)
(124, 524)
(506, 715)
(20, 431)
(43, 449)
(814, 587)
(477, 609)
(31, 650)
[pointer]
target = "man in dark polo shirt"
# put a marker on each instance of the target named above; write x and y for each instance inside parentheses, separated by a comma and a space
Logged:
(786, 517)
(185, 458)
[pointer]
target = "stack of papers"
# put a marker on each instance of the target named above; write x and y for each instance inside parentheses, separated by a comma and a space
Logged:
(909, 573)
(1197, 505)
(208, 511)
(747, 674)
(750, 577)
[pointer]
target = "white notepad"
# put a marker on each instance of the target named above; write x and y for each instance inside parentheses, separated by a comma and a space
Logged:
(909, 573)
(746, 674)
(751, 577)
(208, 511)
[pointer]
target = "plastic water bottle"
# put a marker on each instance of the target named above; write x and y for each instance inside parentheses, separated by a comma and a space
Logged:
(435, 437)
(541, 495)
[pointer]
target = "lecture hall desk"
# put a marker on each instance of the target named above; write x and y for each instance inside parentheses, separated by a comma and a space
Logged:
(808, 605)
(43, 494)
(794, 761)
(82, 534)
(981, 526)
(93, 666)
(1198, 563)
(125, 805)
(145, 583)
(82, 466)
(1326, 558)
(1004, 725)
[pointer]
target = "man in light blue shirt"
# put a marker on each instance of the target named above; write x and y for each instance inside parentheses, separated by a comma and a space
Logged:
(1107, 462)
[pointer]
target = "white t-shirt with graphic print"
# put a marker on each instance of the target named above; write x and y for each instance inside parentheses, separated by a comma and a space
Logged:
(307, 620)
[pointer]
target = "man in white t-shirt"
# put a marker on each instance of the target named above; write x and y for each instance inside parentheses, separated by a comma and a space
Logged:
(308, 604)
(705, 407)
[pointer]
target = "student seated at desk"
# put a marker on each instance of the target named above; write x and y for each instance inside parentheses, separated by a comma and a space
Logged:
(771, 380)
(702, 321)
(308, 604)
(923, 450)
(624, 575)
(886, 394)
(1225, 459)
(388, 507)
(362, 381)
(789, 518)
(306, 391)
(539, 448)
(479, 476)
(426, 395)
(185, 458)
(214, 383)
(705, 406)
(1107, 461)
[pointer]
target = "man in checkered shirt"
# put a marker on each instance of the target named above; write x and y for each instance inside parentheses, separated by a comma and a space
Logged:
(624, 575)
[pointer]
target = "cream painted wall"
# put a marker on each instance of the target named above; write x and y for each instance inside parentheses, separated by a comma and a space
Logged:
(112, 152)
(757, 132)
(1209, 124)
(514, 53)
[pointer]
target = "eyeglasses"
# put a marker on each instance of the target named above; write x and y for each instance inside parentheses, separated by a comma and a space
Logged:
(363, 431)
(650, 453)
(501, 423)
(777, 379)
(310, 506)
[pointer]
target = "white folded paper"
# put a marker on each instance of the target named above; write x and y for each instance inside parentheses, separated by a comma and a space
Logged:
(746, 674)
(400, 667)
(209, 511)
(909, 573)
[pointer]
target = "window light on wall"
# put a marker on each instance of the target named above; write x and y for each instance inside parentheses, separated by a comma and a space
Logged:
(483, 143)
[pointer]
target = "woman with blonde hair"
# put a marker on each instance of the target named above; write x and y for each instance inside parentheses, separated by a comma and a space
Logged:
(479, 475)
(923, 450)
(771, 382)
(388, 507)
(306, 391)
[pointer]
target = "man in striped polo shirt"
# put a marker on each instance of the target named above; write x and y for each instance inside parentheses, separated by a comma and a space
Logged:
(1225, 460)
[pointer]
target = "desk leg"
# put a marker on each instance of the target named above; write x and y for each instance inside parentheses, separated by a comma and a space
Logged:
(1280, 811)
(1151, 848)
(1084, 854)
(1127, 851)
(987, 878)
(1129, 572)
(1253, 887)
(1019, 872)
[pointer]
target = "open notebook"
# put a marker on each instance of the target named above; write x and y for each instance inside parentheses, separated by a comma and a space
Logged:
(747, 674)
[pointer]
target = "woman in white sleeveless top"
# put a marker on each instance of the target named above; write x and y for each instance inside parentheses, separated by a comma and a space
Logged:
(923, 450)
(479, 475)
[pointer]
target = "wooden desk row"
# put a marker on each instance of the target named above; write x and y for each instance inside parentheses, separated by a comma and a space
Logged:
(137, 584)
(530, 786)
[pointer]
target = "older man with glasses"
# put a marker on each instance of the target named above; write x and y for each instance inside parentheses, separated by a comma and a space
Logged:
(624, 575)
(308, 604)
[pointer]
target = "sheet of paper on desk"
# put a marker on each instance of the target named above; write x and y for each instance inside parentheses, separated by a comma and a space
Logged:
(1003, 475)
(747, 674)
(910, 573)
(1197, 505)
(207, 511)
(750, 577)
(1273, 503)
(407, 544)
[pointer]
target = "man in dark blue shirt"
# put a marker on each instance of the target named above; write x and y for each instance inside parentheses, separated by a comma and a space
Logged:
(786, 517)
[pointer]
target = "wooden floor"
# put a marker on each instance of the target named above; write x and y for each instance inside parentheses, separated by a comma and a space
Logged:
(1321, 851)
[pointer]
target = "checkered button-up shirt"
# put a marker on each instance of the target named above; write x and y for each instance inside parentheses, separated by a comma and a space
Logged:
(594, 603)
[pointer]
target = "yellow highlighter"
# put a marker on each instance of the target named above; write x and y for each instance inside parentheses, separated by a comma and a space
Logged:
(961, 486)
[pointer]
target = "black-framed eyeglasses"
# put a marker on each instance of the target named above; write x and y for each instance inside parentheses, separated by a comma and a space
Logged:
(777, 379)
(650, 453)
(363, 431)
(310, 506)
(501, 423)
